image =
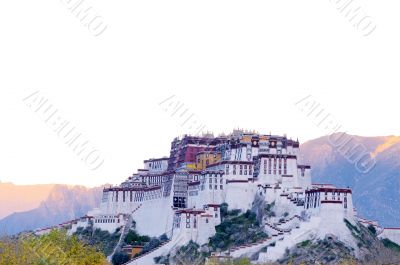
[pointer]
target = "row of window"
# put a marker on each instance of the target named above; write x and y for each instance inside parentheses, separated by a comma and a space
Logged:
(154, 179)
(196, 177)
(243, 169)
(210, 180)
(155, 165)
(103, 221)
(267, 164)
(137, 196)
(221, 187)
(334, 195)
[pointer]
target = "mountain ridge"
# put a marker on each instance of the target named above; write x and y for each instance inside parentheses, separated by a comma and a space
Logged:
(376, 191)
(63, 203)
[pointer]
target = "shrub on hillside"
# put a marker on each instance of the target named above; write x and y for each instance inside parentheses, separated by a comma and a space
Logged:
(103, 240)
(152, 244)
(133, 238)
(119, 258)
(236, 230)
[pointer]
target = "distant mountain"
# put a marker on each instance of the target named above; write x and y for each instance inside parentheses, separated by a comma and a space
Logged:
(62, 204)
(18, 198)
(376, 194)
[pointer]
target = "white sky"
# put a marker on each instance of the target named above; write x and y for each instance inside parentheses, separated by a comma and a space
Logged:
(232, 63)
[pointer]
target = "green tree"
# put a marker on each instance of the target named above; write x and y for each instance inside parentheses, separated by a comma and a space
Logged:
(120, 258)
(55, 248)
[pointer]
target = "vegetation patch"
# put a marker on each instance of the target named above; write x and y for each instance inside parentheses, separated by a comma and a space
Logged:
(102, 240)
(120, 258)
(305, 243)
(326, 251)
(133, 238)
(55, 247)
(236, 229)
(390, 244)
(187, 254)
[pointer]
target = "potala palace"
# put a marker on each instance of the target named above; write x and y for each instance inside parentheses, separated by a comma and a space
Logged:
(181, 195)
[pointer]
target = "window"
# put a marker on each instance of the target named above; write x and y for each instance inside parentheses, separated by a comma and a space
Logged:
(269, 165)
(245, 169)
(220, 187)
(210, 187)
(234, 169)
(227, 170)
(240, 170)
(216, 187)
(265, 167)
(285, 166)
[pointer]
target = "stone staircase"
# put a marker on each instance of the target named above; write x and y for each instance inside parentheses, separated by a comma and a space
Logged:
(287, 222)
(300, 233)
(277, 234)
(295, 201)
(276, 230)
(249, 249)
(125, 230)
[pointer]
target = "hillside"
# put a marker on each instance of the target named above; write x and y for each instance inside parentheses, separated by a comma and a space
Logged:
(62, 204)
(376, 193)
